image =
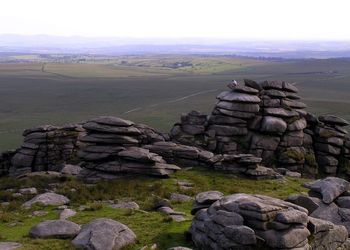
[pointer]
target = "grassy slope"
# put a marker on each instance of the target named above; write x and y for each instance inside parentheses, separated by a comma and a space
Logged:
(150, 227)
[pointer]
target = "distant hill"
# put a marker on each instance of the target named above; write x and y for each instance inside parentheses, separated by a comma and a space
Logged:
(125, 46)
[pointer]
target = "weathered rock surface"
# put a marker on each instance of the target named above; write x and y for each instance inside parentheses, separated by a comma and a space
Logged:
(329, 188)
(104, 234)
(55, 229)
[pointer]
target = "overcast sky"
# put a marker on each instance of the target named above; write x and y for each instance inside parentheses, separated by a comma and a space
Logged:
(233, 19)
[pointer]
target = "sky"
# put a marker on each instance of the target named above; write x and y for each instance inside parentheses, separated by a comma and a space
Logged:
(216, 19)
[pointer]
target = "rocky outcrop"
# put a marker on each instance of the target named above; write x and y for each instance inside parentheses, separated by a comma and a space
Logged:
(112, 145)
(268, 120)
(242, 221)
(253, 128)
(45, 148)
(104, 234)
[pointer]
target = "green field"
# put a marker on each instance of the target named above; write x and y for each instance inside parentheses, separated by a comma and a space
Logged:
(150, 89)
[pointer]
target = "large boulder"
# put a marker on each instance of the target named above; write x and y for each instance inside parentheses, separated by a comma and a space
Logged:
(47, 199)
(330, 188)
(104, 234)
(55, 229)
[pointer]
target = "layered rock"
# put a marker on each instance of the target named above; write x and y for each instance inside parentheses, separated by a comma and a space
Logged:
(45, 148)
(242, 221)
(112, 145)
(268, 120)
(329, 140)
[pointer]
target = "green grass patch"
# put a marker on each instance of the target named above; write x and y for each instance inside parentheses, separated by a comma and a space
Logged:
(149, 226)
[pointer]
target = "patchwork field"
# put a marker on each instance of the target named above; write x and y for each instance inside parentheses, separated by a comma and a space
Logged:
(150, 89)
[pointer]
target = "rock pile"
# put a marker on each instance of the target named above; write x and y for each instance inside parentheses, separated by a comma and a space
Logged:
(45, 148)
(112, 145)
(328, 200)
(242, 221)
(329, 140)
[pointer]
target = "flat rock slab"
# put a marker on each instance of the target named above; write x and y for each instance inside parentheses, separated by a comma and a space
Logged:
(9, 245)
(59, 229)
(230, 96)
(330, 188)
(47, 199)
(104, 234)
(112, 121)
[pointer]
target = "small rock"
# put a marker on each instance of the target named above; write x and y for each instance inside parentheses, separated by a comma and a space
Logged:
(31, 190)
(180, 197)
(72, 170)
(39, 213)
(126, 205)
(66, 213)
(16, 195)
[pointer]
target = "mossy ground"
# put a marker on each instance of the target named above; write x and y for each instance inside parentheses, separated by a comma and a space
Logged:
(149, 226)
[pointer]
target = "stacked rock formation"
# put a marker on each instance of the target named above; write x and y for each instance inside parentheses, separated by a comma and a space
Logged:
(242, 221)
(263, 119)
(329, 138)
(268, 120)
(112, 145)
(45, 148)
